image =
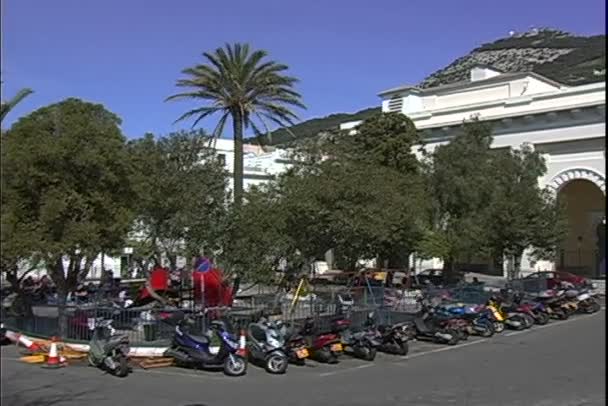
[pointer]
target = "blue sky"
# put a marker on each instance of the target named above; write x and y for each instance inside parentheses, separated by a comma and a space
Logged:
(127, 54)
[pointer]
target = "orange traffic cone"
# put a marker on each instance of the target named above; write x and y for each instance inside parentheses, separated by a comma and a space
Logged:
(29, 345)
(242, 351)
(54, 360)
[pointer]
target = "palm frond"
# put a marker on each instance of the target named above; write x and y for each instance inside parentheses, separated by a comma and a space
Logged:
(6, 107)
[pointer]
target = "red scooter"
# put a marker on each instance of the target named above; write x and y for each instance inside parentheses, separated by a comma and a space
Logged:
(323, 347)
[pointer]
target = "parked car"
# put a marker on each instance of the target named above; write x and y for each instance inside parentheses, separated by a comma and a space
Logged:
(554, 278)
(436, 277)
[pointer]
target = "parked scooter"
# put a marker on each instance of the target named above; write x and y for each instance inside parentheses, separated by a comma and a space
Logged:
(361, 344)
(480, 320)
(587, 303)
(3, 339)
(266, 345)
(531, 313)
(555, 304)
(427, 327)
(107, 350)
(194, 351)
(515, 321)
(393, 339)
(295, 345)
(323, 347)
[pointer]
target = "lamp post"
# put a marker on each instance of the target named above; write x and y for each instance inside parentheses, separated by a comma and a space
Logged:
(579, 243)
(128, 251)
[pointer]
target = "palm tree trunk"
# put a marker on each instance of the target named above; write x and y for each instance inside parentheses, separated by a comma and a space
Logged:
(237, 123)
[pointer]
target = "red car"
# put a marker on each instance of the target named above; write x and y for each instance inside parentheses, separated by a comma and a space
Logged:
(554, 278)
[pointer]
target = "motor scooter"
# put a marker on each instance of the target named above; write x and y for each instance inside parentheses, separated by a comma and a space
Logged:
(194, 351)
(267, 345)
(361, 344)
(393, 339)
(107, 350)
(323, 347)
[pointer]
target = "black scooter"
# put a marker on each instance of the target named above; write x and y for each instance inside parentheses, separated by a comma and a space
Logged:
(427, 327)
(361, 344)
(393, 339)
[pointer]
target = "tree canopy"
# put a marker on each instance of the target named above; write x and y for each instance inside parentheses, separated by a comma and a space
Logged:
(488, 202)
(181, 189)
(66, 188)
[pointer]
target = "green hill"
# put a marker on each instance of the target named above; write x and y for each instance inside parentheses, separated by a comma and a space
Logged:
(558, 55)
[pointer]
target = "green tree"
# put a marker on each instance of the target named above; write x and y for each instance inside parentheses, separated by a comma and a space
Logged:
(6, 107)
(521, 214)
(372, 172)
(181, 187)
(240, 85)
(385, 139)
(460, 189)
(66, 189)
(255, 241)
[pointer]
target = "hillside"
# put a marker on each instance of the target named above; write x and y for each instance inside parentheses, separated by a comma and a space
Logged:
(313, 127)
(558, 55)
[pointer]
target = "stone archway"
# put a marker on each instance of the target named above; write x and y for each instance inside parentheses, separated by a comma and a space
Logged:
(562, 178)
(584, 193)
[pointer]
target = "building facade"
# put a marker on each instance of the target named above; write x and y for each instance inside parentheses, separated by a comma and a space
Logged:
(566, 124)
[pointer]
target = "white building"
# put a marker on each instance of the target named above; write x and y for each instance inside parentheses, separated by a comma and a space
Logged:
(259, 166)
(567, 124)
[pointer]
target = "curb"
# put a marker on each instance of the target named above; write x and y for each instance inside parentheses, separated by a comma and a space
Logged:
(133, 352)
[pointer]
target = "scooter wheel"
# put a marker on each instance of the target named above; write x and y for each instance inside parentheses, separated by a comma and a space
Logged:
(365, 353)
(325, 355)
(593, 308)
(235, 365)
(454, 340)
(91, 360)
(404, 348)
(542, 319)
(276, 363)
(122, 366)
(499, 327)
(488, 330)
(462, 335)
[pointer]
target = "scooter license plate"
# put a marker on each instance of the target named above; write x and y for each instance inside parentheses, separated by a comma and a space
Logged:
(336, 347)
(302, 353)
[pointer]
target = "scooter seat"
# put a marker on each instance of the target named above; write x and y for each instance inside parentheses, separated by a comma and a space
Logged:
(200, 339)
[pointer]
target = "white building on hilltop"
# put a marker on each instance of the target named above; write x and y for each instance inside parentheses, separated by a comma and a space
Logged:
(566, 123)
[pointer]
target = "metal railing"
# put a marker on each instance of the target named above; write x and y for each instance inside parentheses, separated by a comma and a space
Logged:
(144, 326)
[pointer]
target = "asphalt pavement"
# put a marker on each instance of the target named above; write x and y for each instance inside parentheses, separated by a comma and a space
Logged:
(560, 364)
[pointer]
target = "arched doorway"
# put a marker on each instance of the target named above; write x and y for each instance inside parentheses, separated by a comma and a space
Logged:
(582, 251)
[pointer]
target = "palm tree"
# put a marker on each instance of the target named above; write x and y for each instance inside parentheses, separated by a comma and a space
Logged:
(6, 107)
(240, 85)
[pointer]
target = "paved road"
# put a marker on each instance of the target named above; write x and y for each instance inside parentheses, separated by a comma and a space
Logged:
(561, 364)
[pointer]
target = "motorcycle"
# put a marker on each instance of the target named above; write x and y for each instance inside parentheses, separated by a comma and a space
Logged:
(194, 351)
(266, 345)
(479, 319)
(361, 344)
(515, 321)
(3, 338)
(393, 339)
(107, 350)
(533, 312)
(295, 345)
(426, 327)
(447, 320)
(323, 347)
(554, 304)
(587, 303)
